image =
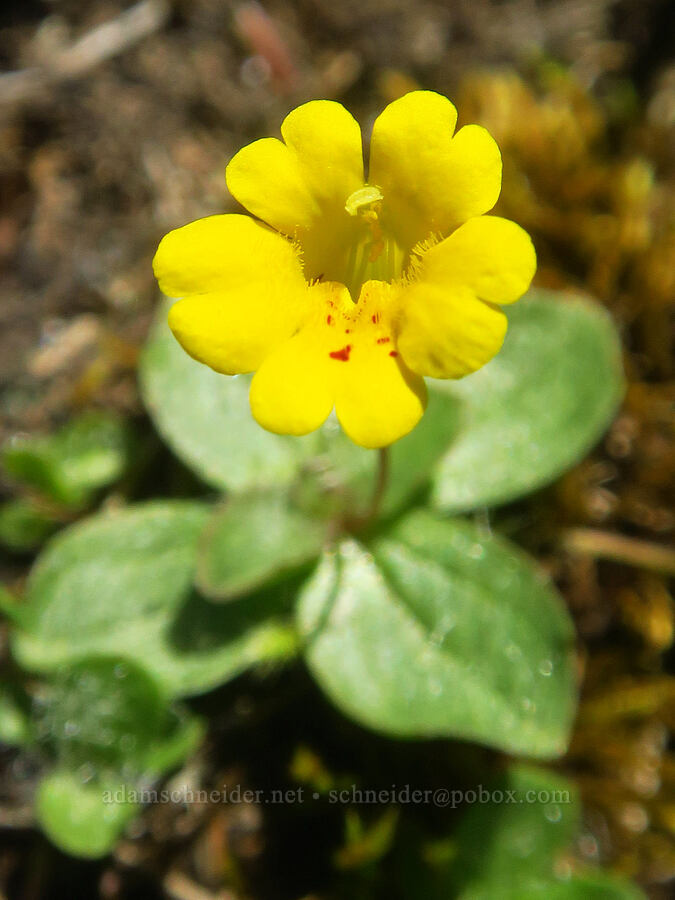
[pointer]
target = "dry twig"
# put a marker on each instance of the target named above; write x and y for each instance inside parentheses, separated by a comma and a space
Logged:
(101, 43)
(630, 551)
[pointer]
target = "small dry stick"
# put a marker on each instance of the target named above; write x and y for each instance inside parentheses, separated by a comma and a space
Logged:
(106, 40)
(630, 551)
(179, 887)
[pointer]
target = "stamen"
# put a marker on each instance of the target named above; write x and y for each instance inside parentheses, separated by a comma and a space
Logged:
(362, 198)
(374, 254)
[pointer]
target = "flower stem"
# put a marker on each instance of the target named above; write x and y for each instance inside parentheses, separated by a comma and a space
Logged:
(355, 523)
(381, 481)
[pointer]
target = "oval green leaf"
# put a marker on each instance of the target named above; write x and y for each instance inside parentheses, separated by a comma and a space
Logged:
(24, 525)
(87, 454)
(121, 583)
(15, 725)
(595, 885)
(515, 841)
(512, 842)
(106, 712)
(82, 819)
(519, 844)
(255, 539)
(537, 408)
(205, 418)
(437, 630)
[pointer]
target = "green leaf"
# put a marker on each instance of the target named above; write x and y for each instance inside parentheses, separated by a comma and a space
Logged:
(79, 818)
(10, 607)
(109, 714)
(106, 712)
(23, 525)
(253, 540)
(515, 846)
(537, 408)
(87, 454)
(206, 420)
(438, 630)
(15, 727)
(112, 733)
(121, 584)
(594, 885)
(513, 841)
(184, 736)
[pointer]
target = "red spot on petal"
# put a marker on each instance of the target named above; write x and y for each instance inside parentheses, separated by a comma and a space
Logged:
(342, 355)
(384, 340)
(347, 330)
(393, 353)
(329, 320)
(375, 319)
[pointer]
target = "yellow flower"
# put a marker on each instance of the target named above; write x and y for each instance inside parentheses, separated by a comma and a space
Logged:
(343, 293)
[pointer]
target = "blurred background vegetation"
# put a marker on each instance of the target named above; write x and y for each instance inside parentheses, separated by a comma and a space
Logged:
(116, 122)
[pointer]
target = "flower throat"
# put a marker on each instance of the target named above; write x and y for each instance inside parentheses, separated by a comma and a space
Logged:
(374, 255)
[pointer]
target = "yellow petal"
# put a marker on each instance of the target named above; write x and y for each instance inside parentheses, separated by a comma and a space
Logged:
(446, 332)
(223, 252)
(327, 142)
(377, 398)
(293, 391)
(474, 168)
(290, 185)
(493, 257)
(431, 181)
(233, 331)
(266, 178)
